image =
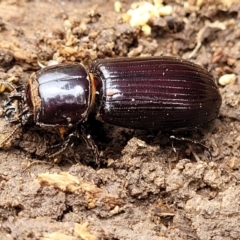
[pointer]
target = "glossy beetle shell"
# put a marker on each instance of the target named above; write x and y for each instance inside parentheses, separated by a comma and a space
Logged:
(162, 93)
(59, 95)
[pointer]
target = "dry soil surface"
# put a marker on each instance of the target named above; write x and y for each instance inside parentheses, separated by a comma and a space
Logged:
(146, 186)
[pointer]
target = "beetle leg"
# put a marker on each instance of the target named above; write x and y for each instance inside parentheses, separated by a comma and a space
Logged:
(69, 141)
(90, 144)
(61, 146)
(172, 137)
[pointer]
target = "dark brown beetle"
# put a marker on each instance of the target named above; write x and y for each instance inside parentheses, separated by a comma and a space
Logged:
(164, 93)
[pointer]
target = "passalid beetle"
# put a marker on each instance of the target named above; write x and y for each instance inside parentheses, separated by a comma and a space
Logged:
(163, 93)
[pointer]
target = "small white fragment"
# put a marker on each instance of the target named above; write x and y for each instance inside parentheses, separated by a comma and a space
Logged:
(227, 79)
(147, 30)
(165, 10)
(52, 62)
(142, 13)
(118, 6)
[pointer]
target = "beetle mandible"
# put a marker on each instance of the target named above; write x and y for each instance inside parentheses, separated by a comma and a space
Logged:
(163, 93)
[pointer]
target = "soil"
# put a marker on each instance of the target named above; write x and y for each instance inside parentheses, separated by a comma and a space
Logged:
(145, 186)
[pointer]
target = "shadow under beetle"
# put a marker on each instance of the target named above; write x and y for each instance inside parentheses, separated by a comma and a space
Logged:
(162, 93)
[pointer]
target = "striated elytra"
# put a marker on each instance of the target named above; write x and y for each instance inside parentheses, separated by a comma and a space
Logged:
(164, 93)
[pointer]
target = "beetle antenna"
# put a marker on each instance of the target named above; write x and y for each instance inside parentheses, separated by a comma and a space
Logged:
(10, 135)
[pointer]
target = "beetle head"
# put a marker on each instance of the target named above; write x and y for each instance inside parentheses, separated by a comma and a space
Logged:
(16, 110)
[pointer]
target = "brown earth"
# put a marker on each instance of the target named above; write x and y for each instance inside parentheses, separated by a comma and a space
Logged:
(144, 187)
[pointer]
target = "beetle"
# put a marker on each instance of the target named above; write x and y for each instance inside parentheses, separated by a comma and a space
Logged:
(163, 93)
